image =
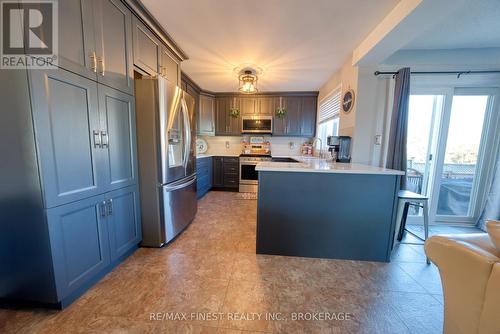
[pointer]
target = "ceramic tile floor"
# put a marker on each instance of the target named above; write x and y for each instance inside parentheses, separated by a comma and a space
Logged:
(212, 268)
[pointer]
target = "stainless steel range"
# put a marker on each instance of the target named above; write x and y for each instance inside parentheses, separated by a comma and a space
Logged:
(249, 177)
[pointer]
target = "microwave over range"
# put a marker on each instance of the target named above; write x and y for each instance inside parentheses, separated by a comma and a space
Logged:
(257, 124)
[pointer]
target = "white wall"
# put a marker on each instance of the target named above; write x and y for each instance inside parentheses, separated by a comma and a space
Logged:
(368, 116)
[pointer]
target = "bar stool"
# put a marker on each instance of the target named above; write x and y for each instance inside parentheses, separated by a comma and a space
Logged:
(405, 199)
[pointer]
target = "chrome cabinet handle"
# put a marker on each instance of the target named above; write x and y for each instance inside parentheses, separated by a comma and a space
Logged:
(97, 139)
(93, 59)
(100, 60)
(102, 208)
(104, 139)
(109, 206)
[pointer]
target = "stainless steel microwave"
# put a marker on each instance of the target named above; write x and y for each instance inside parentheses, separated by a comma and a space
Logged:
(257, 124)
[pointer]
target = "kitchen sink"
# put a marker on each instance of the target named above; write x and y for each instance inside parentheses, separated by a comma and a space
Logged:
(284, 160)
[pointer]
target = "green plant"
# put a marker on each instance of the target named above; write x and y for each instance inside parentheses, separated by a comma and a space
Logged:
(234, 112)
(280, 112)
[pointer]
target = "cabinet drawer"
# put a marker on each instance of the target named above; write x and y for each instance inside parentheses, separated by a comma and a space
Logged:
(231, 160)
(231, 181)
(231, 169)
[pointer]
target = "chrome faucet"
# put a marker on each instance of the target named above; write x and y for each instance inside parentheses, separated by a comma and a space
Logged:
(320, 155)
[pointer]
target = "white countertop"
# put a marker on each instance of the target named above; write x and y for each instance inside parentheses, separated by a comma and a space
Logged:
(316, 165)
(200, 156)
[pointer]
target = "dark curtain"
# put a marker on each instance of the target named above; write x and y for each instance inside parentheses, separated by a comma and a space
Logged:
(398, 133)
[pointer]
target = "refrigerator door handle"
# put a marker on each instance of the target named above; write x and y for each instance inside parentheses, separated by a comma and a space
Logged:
(187, 129)
(180, 184)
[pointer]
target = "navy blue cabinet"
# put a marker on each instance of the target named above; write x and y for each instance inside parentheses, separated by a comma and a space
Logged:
(79, 243)
(88, 235)
(117, 124)
(68, 135)
(204, 175)
(85, 139)
(123, 216)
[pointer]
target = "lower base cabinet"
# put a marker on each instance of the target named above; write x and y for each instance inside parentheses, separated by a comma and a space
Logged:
(204, 176)
(88, 236)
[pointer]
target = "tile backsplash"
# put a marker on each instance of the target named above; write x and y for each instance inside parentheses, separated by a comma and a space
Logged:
(285, 146)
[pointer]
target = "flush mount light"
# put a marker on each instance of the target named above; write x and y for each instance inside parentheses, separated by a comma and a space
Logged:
(248, 81)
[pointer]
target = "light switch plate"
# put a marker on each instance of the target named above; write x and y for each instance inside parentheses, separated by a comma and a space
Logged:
(378, 140)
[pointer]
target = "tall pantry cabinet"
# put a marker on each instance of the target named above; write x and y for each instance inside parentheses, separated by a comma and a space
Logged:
(69, 201)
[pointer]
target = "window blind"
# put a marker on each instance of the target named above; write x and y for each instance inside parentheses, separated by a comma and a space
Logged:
(329, 108)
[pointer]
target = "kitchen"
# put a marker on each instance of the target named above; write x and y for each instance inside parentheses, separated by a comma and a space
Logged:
(171, 173)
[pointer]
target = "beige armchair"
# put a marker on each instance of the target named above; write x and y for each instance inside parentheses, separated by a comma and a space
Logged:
(469, 265)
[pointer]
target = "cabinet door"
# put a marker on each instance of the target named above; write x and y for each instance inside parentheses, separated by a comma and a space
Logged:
(248, 106)
(77, 51)
(147, 48)
(293, 106)
(66, 117)
(308, 116)
(267, 105)
(79, 243)
(124, 225)
(117, 115)
(218, 172)
(114, 45)
(206, 124)
(170, 68)
(234, 123)
(222, 110)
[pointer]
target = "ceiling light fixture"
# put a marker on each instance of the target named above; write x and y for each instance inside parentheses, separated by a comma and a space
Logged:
(248, 81)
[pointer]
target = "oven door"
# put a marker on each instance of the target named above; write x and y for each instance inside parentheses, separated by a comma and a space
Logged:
(257, 124)
(248, 174)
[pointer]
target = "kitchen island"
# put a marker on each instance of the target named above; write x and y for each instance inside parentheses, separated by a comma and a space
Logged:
(316, 208)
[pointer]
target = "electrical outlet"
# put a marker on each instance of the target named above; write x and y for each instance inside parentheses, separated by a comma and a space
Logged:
(378, 140)
(227, 144)
(291, 145)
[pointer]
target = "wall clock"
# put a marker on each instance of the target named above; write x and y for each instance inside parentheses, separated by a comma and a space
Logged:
(348, 101)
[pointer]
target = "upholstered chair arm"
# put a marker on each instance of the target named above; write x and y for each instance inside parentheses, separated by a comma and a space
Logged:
(465, 264)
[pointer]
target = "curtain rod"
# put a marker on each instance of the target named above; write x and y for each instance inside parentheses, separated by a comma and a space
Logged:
(457, 73)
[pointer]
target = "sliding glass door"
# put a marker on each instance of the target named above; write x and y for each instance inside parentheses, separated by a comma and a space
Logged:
(448, 135)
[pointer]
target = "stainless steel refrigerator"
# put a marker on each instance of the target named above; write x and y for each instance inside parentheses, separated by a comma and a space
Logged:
(165, 116)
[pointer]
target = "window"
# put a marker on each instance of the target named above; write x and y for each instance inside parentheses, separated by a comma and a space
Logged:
(328, 118)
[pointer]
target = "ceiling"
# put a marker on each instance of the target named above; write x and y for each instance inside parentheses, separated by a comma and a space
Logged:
(475, 25)
(298, 44)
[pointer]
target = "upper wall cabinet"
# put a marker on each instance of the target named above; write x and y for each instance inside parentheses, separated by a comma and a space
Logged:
(147, 48)
(248, 106)
(266, 105)
(114, 45)
(300, 117)
(308, 116)
(206, 116)
(151, 56)
(96, 41)
(225, 124)
(169, 67)
(77, 52)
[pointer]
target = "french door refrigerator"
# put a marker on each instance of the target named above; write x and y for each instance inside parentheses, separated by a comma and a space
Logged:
(165, 119)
